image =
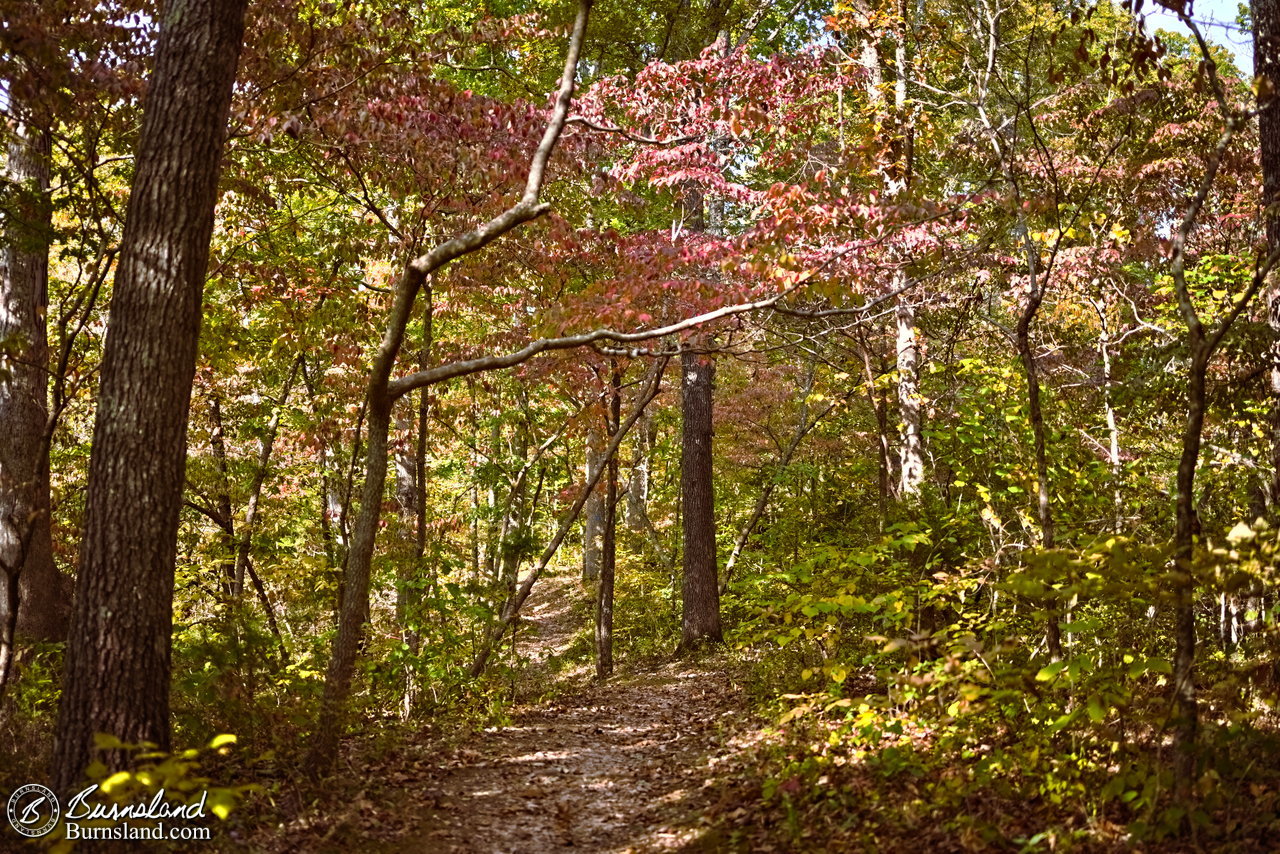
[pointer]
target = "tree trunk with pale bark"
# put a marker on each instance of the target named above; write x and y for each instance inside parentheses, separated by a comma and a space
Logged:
(34, 598)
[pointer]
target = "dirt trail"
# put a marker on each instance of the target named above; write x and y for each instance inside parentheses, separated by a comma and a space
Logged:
(618, 767)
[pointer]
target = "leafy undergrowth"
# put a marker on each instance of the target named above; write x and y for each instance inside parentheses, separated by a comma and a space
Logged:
(917, 707)
(862, 779)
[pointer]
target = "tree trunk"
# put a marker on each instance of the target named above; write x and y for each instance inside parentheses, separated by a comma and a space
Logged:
(117, 671)
(1109, 411)
(353, 611)
(897, 177)
(593, 520)
(638, 480)
(1266, 63)
(407, 597)
(609, 555)
(26, 541)
(1035, 412)
(912, 446)
(700, 620)
(1187, 525)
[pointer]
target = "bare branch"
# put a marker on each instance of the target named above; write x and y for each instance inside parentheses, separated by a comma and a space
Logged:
(634, 137)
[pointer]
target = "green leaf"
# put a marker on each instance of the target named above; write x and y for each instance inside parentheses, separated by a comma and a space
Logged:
(1096, 710)
(1050, 670)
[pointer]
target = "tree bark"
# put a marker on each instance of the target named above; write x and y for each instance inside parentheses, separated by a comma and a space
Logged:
(593, 514)
(638, 480)
(1266, 63)
(896, 174)
(609, 551)
(37, 606)
(413, 505)
(117, 671)
(911, 450)
(700, 617)
(1186, 529)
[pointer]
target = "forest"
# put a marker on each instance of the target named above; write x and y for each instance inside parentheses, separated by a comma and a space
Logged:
(673, 425)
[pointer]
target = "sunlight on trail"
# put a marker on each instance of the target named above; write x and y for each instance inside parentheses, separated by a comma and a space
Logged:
(618, 767)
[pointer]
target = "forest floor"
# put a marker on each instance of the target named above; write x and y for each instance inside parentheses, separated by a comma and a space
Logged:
(626, 765)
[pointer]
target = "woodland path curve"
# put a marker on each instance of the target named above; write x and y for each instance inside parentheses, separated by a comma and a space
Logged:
(620, 766)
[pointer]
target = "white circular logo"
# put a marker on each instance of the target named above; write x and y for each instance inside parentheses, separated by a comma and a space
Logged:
(33, 810)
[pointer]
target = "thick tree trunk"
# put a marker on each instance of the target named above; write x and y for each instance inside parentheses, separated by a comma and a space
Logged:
(117, 671)
(700, 619)
(1266, 63)
(26, 541)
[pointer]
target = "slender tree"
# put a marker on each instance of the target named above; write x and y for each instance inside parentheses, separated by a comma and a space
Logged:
(609, 542)
(382, 392)
(1202, 341)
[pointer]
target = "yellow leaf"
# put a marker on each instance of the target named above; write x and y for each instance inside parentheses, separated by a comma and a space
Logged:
(115, 781)
(221, 802)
